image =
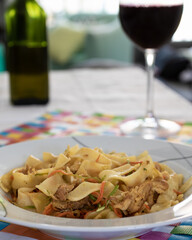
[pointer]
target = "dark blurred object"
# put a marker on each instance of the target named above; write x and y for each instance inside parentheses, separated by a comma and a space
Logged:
(2, 36)
(2, 23)
(172, 68)
(186, 76)
(175, 70)
(170, 64)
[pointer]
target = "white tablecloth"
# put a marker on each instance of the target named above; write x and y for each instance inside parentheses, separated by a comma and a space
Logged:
(119, 91)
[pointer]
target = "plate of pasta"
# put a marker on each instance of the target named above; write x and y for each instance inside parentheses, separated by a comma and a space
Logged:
(95, 187)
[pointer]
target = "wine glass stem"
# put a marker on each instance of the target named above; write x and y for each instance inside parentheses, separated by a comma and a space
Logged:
(150, 55)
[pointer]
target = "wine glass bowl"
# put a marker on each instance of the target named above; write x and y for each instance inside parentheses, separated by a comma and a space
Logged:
(150, 24)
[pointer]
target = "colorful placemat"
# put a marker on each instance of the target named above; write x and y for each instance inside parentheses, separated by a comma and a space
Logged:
(60, 123)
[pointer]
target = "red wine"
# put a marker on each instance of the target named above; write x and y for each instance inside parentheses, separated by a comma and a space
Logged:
(150, 26)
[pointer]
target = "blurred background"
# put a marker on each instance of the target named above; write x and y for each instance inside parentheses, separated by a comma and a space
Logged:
(84, 33)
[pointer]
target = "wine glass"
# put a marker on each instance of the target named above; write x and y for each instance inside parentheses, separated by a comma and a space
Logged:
(150, 24)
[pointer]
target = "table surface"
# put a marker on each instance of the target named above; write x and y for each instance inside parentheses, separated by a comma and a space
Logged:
(118, 91)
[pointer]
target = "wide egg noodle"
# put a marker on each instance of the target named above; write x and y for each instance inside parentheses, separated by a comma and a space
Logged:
(25, 180)
(61, 161)
(145, 169)
(43, 172)
(39, 200)
(69, 178)
(71, 151)
(33, 162)
(109, 187)
(93, 155)
(23, 198)
(51, 184)
(104, 214)
(168, 198)
(174, 182)
(49, 157)
(91, 169)
(126, 169)
(83, 190)
(6, 181)
(115, 176)
(119, 158)
(186, 185)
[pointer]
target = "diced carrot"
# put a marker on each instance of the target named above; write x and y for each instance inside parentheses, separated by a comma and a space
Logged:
(85, 216)
(177, 192)
(48, 209)
(134, 163)
(147, 206)
(118, 212)
(59, 171)
(97, 160)
(101, 193)
(124, 163)
(93, 180)
(96, 194)
(68, 214)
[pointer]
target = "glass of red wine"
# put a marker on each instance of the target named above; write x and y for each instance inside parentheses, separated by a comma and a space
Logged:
(150, 24)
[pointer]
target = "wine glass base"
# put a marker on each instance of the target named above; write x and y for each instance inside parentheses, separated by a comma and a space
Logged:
(150, 128)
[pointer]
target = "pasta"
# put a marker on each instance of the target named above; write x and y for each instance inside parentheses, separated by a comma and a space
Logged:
(90, 184)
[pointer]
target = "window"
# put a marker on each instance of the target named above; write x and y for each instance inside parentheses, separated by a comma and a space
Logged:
(76, 6)
(184, 31)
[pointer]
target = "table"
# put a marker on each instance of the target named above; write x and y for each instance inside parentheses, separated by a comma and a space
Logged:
(118, 91)
(111, 92)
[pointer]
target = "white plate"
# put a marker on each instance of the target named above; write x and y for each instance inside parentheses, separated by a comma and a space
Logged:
(178, 156)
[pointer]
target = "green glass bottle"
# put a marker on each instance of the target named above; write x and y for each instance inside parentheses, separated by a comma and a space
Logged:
(27, 58)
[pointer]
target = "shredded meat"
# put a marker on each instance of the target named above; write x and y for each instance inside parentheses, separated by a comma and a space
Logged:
(23, 170)
(69, 205)
(62, 191)
(151, 199)
(160, 185)
(26, 170)
(134, 199)
(74, 166)
(157, 166)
